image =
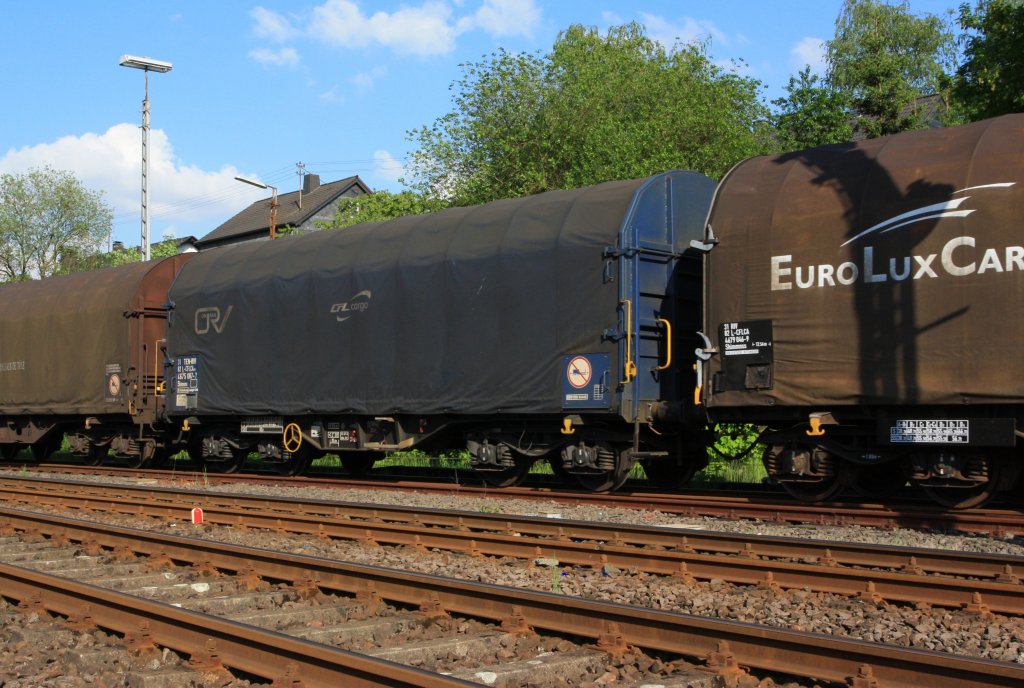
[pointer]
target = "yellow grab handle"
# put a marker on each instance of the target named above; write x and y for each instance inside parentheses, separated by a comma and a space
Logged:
(668, 344)
(630, 367)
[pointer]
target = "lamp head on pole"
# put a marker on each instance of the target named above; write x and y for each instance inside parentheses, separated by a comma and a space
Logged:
(273, 201)
(146, 63)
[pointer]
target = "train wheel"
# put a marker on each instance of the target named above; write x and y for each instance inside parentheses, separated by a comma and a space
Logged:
(607, 481)
(230, 465)
(161, 458)
(9, 451)
(961, 497)
(359, 463)
(823, 489)
(96, 455)
(955, 496)
(297, 463)
(511, 476)
(817, 491)
(879, 481)
(811, 474)
(134, 461)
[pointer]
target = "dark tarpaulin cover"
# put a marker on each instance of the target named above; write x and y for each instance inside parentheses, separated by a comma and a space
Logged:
(888, 271)
(467, 310)
(59, 335)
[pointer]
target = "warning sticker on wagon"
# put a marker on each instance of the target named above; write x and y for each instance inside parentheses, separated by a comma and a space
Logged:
(930, 432)
(585, 381)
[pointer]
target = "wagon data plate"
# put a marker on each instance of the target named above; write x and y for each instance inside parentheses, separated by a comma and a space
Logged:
(989, 432)
(931, 432)
(186, 382)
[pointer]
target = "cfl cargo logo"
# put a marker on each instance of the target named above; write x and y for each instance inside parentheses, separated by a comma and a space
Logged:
(212, 318)
(357, 304)
(955, 259)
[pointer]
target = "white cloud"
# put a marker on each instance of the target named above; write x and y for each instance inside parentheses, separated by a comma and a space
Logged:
(111, 162)
(424, 30)
(687, 30)
(809, 51)
(284, 57)
(506, 17)
(365, 80)
(270, 24)
(387, 167)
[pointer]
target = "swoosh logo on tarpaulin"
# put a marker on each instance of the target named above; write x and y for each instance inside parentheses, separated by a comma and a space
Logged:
(936, 211)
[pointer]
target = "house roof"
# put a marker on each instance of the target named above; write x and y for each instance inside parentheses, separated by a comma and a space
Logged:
(254, 221)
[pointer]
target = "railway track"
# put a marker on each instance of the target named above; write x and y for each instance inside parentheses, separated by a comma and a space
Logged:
(590, 628)
(979, 582)
(760, 506)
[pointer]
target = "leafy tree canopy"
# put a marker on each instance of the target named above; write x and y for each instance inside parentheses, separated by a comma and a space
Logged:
(47, 218)
(597, 107)
(884, 57)
(812, 114)
(119, 256)
(990, 81)
(381, 205)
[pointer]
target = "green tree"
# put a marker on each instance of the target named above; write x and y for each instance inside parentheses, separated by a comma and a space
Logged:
(96, 260)
(381, 205)
(597, 107)
(812, 114)
(47, 217)
(885, 58)
(990, 81)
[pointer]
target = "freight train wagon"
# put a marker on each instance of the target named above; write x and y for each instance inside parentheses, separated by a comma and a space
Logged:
(83, 355)
(552, 327)
(862, 302)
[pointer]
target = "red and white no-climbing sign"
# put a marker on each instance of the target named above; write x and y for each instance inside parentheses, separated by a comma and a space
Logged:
(579, 372)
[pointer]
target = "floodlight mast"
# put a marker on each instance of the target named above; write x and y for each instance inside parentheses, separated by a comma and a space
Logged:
(146, 64)
(273, 201)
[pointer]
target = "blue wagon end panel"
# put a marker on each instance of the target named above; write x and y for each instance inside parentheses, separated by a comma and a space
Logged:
(659, 293)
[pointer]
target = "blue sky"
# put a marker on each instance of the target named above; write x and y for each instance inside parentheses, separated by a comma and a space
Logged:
(334, 84)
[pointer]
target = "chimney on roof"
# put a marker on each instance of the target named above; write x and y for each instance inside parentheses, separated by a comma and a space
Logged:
(310, 183)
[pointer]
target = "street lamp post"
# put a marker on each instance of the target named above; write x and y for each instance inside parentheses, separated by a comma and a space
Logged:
(273, 202)
(146, 64)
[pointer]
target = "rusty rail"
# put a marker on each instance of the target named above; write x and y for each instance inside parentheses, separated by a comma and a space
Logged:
(770, 508)
(725, 646)
(211, 642)
(738, 559)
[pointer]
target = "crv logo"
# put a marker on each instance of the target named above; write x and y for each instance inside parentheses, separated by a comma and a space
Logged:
(210, 317)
